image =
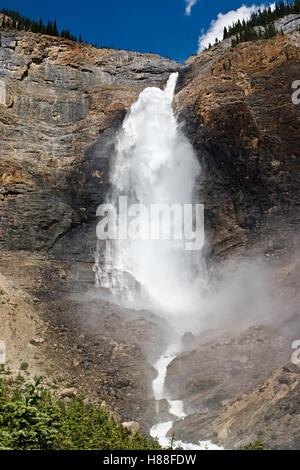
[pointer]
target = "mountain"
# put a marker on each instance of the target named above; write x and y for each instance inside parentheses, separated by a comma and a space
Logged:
(61, 105)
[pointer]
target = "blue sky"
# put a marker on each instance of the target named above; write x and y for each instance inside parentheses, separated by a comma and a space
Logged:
(160, 26)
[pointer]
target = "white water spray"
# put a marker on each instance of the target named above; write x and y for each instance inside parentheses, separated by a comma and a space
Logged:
(155, 164)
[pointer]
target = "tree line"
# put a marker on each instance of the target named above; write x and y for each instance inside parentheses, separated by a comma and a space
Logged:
(15, 21)
(260, 25)
(251, 34)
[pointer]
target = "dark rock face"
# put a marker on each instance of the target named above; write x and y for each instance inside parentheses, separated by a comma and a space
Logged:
(235, 106)
(35, 221)
(270, 412)
(237, 111)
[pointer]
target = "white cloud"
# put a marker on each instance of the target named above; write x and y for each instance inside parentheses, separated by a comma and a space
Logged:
(190, 4)
(216, 28)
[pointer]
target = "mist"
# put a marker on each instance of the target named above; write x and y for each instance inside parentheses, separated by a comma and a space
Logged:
(155, 164)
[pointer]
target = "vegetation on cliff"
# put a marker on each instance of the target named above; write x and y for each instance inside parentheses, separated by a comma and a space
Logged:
(13, 20)
(258, 445)
(261, 24)
(31, 419)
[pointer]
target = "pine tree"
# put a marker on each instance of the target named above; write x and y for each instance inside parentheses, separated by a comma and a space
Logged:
(54, 29)
(41, 26)
(13, 20)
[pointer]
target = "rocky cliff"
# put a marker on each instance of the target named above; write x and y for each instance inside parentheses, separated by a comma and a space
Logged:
(59, 99)
(61, 105)
(237, 108)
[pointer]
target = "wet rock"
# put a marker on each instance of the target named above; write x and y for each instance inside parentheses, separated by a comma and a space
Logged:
(162, 412)
(188, 340)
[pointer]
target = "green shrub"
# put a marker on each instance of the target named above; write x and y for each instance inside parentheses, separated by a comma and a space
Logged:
(30, 419)
(258, 445)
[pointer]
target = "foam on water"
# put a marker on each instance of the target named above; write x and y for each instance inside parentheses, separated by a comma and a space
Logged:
(176, 408)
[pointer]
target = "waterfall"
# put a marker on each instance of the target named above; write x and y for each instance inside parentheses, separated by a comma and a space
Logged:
(176, 409)
(154, 164)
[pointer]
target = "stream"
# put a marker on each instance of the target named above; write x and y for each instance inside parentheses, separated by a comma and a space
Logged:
(176, 408)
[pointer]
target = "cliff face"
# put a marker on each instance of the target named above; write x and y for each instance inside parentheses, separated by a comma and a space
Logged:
(60, 107)
(58, 100)
(237, 110)
(61, 104)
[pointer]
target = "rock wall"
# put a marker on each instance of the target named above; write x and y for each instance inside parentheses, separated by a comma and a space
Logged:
(288, 24)
(235, 105)
(58, 100)
(63, 102)
(60, 106)
(237, 110)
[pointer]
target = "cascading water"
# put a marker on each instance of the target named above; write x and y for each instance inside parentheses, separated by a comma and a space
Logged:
(176, 409)
(154, 164)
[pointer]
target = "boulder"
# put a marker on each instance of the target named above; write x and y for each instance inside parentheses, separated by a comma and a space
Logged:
(68, 392)
(37, 341)
(132, 427)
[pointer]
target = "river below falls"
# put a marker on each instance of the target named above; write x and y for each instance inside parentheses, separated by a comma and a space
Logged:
(176, 409)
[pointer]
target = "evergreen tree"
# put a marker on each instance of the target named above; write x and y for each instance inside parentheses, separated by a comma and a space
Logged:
(21, 23)
(54, 29)
(264, 18)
